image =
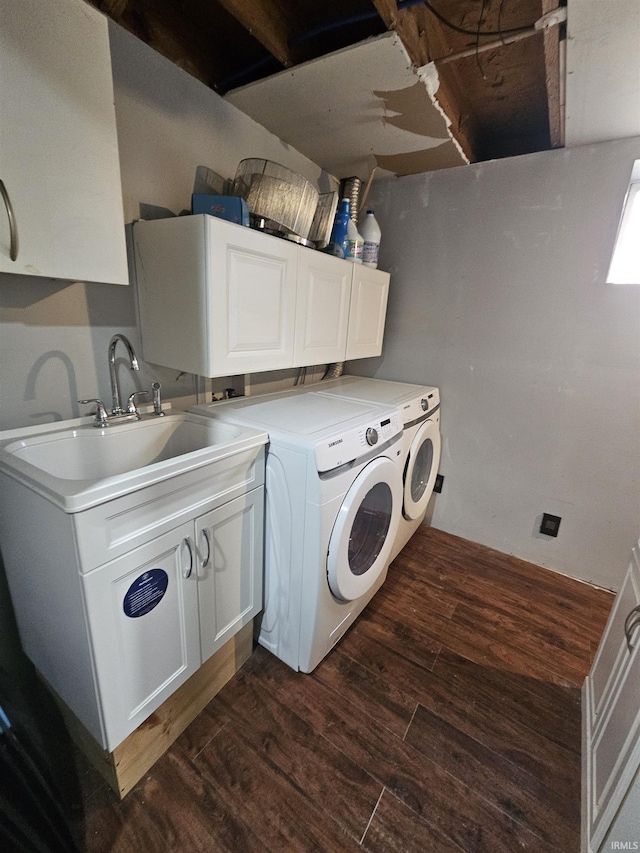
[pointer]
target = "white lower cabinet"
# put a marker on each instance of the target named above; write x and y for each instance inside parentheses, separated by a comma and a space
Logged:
(611, 727)
(157, 613)
(119, 604)
(229, 569)
(219, 299)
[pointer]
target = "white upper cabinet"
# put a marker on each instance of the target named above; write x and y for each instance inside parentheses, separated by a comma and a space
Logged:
(322, 310)
(369, 294)
(215, 298)
(58, 145)
(220, 299)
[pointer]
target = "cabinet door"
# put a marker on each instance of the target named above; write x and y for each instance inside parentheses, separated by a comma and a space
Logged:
(369, 292)
(58, 144)
(230, 572)
(252, 287)
(142, 613)
(614, 735)
(322, 310)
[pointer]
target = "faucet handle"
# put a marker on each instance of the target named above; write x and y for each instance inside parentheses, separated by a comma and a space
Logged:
(131, 406)
(101, 412)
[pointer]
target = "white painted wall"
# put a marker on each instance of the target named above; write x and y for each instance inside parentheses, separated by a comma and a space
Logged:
(498, 297)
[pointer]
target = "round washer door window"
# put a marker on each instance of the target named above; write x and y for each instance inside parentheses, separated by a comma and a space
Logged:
(365, 529)
(421, 469)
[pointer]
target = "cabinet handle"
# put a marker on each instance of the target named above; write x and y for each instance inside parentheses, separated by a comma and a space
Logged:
(206, 539)
(186, 573)
(630, 624)
(13, 226)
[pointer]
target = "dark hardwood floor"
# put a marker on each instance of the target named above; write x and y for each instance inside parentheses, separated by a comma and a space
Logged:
(447, 719)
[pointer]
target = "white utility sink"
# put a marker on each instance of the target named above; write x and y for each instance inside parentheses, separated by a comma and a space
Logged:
(77, 465)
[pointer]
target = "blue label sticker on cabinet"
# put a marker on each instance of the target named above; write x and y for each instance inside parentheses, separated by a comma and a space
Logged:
(145, 593)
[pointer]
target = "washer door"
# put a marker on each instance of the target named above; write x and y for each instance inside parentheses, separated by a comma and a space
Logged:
(421, 469)
(364, 530)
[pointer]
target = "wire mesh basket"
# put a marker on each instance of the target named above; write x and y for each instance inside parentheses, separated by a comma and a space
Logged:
(285, 200)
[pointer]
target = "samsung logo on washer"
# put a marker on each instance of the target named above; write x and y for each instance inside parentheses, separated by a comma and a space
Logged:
(337, 441)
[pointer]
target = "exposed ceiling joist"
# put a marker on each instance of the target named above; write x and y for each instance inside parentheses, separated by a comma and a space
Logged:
(268, 22)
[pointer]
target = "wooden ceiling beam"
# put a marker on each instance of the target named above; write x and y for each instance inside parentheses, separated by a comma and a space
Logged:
(553, 72)
(267, 22)
(423, 37)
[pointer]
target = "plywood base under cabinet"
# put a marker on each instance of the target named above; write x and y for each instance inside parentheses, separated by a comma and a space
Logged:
(131, 759)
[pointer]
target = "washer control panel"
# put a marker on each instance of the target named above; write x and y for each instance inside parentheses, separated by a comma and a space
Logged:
(352, 444)
(415, 409)
(371, 435)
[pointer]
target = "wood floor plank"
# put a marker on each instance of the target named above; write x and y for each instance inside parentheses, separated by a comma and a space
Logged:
(472, 712)
(395, 827)
(189, 813)
(393, 631)
(372, 694)
(553, 817)
(262, 796)
(118, 827)
(534, 704)
(454, 810)
(320, 771)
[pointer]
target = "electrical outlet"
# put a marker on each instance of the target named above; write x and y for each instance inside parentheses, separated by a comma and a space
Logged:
(550, 524)
(437, 487)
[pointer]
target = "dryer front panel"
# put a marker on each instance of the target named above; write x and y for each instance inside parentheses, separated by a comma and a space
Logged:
(421, 469)
(365, 529)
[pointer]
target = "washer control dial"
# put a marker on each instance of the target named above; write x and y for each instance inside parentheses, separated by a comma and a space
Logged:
(425, 404)
(372, 436)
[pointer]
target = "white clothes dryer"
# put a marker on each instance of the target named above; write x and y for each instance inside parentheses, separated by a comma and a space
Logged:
(421, 442)
(333, 495)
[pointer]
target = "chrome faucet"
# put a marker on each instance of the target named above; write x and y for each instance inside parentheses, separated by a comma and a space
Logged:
(133, 362)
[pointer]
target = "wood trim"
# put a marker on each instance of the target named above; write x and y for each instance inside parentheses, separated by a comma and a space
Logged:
(131, 759)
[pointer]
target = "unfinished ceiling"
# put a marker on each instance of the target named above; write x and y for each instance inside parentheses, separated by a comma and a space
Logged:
(498, 78)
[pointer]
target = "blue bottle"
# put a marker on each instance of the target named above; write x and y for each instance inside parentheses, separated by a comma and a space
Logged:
(338, 240)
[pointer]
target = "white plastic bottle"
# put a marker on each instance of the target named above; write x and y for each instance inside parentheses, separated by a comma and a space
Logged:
(371, 235)
(355, 243)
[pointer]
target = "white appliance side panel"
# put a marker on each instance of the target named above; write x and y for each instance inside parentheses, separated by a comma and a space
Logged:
(322, 310)
(58, 143)
(47, 596)
(143, 656)
(230, 584)
(252, 281)
(367, 313)
(285, 488)
(172, 292)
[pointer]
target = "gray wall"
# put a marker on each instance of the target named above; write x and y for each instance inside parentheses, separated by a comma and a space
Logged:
(498, 296)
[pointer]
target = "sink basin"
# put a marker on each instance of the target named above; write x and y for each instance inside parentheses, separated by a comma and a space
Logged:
(78, 465)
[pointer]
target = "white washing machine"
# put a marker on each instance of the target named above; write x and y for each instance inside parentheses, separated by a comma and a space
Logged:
(421, 443)
(333, 504)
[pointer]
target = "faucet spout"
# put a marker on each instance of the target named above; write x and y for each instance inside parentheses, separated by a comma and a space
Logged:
(113, 375)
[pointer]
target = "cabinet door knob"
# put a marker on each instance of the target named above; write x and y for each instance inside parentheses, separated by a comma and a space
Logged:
(13, 225)
(206, 539)
(630, 624)
(186, 573)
